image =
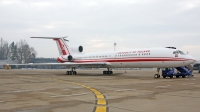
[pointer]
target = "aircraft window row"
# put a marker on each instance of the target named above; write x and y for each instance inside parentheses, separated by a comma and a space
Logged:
(104, 56)
(133, 54)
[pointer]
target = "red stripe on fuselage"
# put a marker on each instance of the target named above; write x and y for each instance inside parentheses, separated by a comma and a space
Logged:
(131, 60)
(59, 60)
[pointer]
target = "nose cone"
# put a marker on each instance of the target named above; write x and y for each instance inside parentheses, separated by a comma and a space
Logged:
(192, 59)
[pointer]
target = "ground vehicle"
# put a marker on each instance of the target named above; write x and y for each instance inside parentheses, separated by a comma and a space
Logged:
(181, 71)
(168, 72)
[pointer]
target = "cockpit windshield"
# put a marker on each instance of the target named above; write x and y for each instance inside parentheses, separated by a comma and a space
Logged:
(179, 52)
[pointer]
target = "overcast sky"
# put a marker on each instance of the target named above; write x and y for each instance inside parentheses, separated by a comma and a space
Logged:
(96, 25)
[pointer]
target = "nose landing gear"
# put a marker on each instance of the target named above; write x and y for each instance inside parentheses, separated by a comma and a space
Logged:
(156, 76)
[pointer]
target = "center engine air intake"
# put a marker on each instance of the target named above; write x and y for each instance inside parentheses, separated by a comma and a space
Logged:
(70, 58)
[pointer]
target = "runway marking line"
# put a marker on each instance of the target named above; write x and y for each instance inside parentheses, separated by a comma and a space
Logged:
(97, 92)
(101, 102)
(100, 96)
(100, 109)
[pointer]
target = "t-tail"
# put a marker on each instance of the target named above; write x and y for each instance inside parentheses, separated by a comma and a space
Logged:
(63, 48)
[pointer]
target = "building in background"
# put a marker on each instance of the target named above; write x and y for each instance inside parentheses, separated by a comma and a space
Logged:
(35, 60)
(4, 62)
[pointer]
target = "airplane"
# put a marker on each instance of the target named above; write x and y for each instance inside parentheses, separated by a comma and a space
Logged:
(158, 57)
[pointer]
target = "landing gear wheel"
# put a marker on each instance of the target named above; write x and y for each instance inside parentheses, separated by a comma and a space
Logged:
(107, 72)
(70, 72)
(156, 76)
(171, 77)
(164, 76)
(183, 76)
(177, 76)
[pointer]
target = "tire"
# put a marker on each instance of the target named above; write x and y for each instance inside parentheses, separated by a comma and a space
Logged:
(171, 77)
(164, 77)
(177, 76)
(156, 76)
(70, 72)
(105, 72)
(183, 76)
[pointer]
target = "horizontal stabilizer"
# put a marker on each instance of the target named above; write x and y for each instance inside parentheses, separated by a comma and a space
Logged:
(49, 37)
(46, 37)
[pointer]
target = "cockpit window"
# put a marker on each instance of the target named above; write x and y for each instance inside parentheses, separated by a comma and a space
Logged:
(175, 52)
(179, 52)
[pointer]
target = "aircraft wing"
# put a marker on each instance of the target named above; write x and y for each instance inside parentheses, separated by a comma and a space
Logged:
(68, 64)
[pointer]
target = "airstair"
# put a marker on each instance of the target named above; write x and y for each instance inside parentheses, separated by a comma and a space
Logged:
(181, 71)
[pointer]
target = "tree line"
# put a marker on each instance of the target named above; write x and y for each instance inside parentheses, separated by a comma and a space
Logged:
(21, 51)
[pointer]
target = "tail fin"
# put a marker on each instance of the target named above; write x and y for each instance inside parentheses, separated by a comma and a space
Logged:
(62, 46)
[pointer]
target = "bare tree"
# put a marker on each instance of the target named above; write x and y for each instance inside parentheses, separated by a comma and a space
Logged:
(4, 49)
(25, 52)
(20, 52)
(1, 47)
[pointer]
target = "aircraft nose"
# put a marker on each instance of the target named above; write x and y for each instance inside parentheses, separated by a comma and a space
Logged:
(192, 59)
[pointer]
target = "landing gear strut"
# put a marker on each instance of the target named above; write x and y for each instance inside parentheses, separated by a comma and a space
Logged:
(108, 72)
(156, 76)
(72, 72)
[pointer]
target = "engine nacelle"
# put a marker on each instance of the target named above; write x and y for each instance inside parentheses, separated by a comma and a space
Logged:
(70, 58)
(78, 49)
(65, 58)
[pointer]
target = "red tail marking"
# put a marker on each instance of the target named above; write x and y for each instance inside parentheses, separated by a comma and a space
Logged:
(61, 47)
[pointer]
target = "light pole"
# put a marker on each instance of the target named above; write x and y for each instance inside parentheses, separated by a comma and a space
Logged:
(115, 46)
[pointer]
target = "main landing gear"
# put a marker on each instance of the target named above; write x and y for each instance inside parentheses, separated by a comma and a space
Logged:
(108, 72)
(156, 76)
(72, 72)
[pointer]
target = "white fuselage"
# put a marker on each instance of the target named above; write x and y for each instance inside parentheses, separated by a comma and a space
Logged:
(136, 58)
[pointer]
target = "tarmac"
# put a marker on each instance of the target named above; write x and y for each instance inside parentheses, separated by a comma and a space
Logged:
(91, 91)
